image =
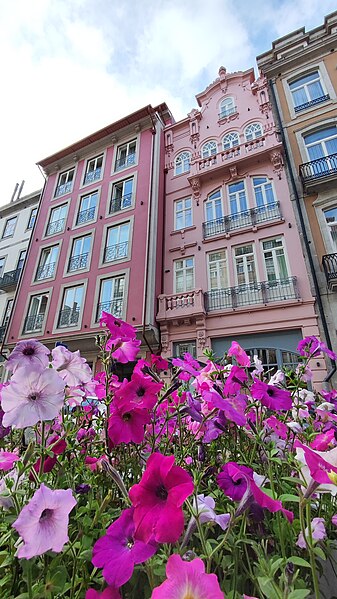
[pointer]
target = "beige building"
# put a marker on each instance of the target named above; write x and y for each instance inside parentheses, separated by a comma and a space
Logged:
(301, 69)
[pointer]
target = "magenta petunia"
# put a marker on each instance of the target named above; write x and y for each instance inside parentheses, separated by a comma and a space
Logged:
(29, 353)
(118, 551)
(56, 446)
(125, 350)
(232, 407)
(43, 522)
(320, 464)
(312, 347)
(323, 441)
(32, 396)
(270, 396)
(73, 369)
(239, 354)
(127, 423)
(7, 460)
(158, 499)
(108, 593)
(233, 480)
(235, 380)
(118, 328)
(187, 580)
(140, 390)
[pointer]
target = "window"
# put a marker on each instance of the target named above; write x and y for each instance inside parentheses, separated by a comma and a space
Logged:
(253, 131)
(64, 183)
(182, 163)
(237, 197)
(2, 265)
(87, 208)
(36, 313)
(213, 206)
(231, 140)
(21, 260)
(274, 259)
(184, 275)
(80, 250)
(184, 347)
(209, 149)
(71, 307)
(331, 221)
(217, 270)
(32, 218)
(10, 227)
(7, 313)
(263, 190)
(183, 213)
(93, 171)
(321, 143)
(57, 220)
(111, 296)
(245, 264)
(122, 195)
(126, 155)
(307, 91)
(227, 107)
(117, 242)
(47, 263)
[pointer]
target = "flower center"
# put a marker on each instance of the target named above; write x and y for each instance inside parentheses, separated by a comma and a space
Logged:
(130, 544)
(140, 392)
(237, 482)
(127, 417)
(161, 492)
(33, 396)
(28, 351)
(46, 514)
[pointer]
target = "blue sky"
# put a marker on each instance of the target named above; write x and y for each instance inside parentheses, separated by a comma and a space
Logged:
(69, 67)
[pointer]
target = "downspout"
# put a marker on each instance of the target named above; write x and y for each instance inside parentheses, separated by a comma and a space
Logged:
(304, 233)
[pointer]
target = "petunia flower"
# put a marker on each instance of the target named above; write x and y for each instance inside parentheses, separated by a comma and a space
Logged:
(318, 533)
(118, 551)
(127, 423)
(124, 351)
(108, 593)
(235, 380)
(158, 499)
(323, 440)
(334, 520)
(43, 522)
(239, 354)
(187, 580)
(230, 481)
(118, 328)
(29, 353)
(205, 508)
(318, 467)
(7, 459)
(270, 396)
(313, 347)
(32, 396)
(140, 390)
(233, 407)
(57, 446)
(72, 368)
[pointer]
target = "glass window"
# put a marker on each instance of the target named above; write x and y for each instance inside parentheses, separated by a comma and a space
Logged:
(209, 149)
(32, 218)
(230, 140)
(21, 259)
(10, 227)
(47, 264)
(111, 296)
(253, 131)
(237, 197)
(263, 190)
(227, 107)
(183, 213)
(117, 242)
(71, 307)
(321, 143)
(80, 250)
(182, 163)
(57, 220)
(2, 265)
(331, 221)
(7, 313)
(36, 313)
(93, 169)
(213, 206)
(185, 347)
(64, 182)
(122, 195)
(184, 275)
(307, 90)
(126, 155)
(217, 270)
(245, 264)
(274, 259)
(87, 208)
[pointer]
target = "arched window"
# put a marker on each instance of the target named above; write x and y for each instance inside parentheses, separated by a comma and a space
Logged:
(227, 107)
(209, 149)
(213, 206)
(231, 140)
(253, 131)
(321, 147)
(182, 163)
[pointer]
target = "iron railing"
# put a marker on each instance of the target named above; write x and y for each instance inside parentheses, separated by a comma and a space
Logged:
(10, 278)
(117, 204)
(94, 175)
(85, 215)
(33, 323)
(227, 112)
(319, 168)
(62, 189)
(45, 272)
(126, 161)
(312, 103)
(252, 293)
(114, 307)
(55, 226)
(250, 217)
(68, 317)
(78, 262)
(329, 262)
(115, 252)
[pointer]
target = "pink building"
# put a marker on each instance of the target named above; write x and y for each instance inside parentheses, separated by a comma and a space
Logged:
(233, 266)
(97, 242)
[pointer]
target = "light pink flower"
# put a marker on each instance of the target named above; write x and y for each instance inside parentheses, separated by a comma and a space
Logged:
(126, 350)
(7, 459)
(239, 354)
(108, 593)
(334, 520)
(32, 396)
(43, 522)
(317, 530)
(71, 367)
(30, 353)
(187, 580)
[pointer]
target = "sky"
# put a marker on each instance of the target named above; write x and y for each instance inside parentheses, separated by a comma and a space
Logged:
(71, 67)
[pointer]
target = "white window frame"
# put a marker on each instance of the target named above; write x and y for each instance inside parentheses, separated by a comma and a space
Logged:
(12, 227)
(305, 86)
(53, 210)
(231, 136)
(32, 216)
(324, 75)
(37, 332)
(127, 204)
(190, 347)
(182, 163)
(219, 263)
(84, 196)
(2, 268)
(209, 149)
(211, 202)
(227, 107)
(47, 262)
(253, 131)
(114, 298)
(7, 312)
(185, 211)
(130, 158)
(117, 227)
(71, 255)
(92, 166)
(63, 292)
(65, 182)
(253, 253)
(237, 197)
(184, 270)
(268, 181)
(274, 258)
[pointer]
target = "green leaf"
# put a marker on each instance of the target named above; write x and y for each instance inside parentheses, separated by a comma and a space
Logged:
(299, 561)
(276, 565)
(288, 497)
(320, 553)
(298, 594)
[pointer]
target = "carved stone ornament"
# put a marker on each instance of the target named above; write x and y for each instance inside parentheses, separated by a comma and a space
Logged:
(277, 162)
(201, 337)
(196, 186)
(233, 171)
(165, 342)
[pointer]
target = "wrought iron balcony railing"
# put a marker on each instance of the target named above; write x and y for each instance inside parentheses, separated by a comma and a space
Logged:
(86, 215)
(78, 262)
(252, 293)
(92, 176)
(250, 217)
(227, 112)
(128, 160)
(10, 278)
(312, 103)
(319, 168)
(45, 272)
(114, 307)
(68, 317)
(55, 226)
(329, 262)
(116, 252)
(117, 204)
(62, 189)
(34, 323)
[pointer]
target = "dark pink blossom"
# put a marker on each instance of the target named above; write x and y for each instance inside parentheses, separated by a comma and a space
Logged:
(108, 593)
(320, 464)
(118, 551)
(118, 328)
(271, 397)
(7, 459)
(232, 481)
(127, 423)
(159, 362)
(279, 428)
(124, 351)
(324, 440)
(57, 446)
(158, 500)
(189, 366)
(29, 353)
(187, 580)
(313, 347)
(72, 368)
(233, 407)
(140, 390)
(235, 380)
(239, 354)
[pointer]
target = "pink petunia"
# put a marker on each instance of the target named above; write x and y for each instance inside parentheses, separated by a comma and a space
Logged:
(233, 480)
(57, 446)
(140, 390)
(124, 351)
(320, 464)
(187, 580)
(235, 380)
(43, 522)
(239, 354)
(334, 520)
(317, 530)
(270, 396)
(72, 368)
(127, 423)
(323, 440)
(7, 460)
(313, 347)
(233, 407)
(158, 499)
(29, 353)
(118, 328)
(108, 593)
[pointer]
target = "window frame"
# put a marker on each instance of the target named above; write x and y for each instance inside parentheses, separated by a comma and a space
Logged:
(52, 209)
(5, 315)
(225, 260)
(270, 182)
(78, 210)
(117, 158)
(183, 259)
(63, 288)
(254, 137)
(183, 211)
(123, 272)
(113, 184)
(237, 199)
(300, 71)
(30, 228)
(86, 170)
(256, 266)
(275, 261)
(78, 235)
(37, 333)
(109, 225)
(232, 146)
(2, 269)
(58, 185)
(188, 342)
(38, 265)
(10, 218)
(211, 202)
(210, 145)
(225, 113)
(187, 157)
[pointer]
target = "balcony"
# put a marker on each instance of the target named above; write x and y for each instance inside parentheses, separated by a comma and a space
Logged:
(78, 262)
(94, 175)
(253, 293)
(181, 306)
(33, 323)
(321, 170)
(62, 189)
(329, 262)
(85, 215)
(116, 252)
(312, 103)
(114, 307)
(224, 114)
(56, 226)
(9, 280)
(69, 317)
(45, 272)
(248, 218)
(117, 204)
(125, 161)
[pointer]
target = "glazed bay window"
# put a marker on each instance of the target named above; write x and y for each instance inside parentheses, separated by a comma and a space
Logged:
(36, 313)
(184, 275)
(126, 155)
(111, 297)
(93, 170)
(71, 307)
(307, 91)
(32, 218)
(87, 208)
(64, 183)
(183, 213)
(117, 242)
(217, 270)
(9, 227)
(274, 259)
(47, 264)
(57, 220)
(80, 251)
(122, 195)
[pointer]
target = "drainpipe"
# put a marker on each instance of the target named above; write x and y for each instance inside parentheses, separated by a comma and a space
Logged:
(304, 233)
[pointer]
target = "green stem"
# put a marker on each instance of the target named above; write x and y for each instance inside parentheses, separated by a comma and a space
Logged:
(309, 542)
(29, 580)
